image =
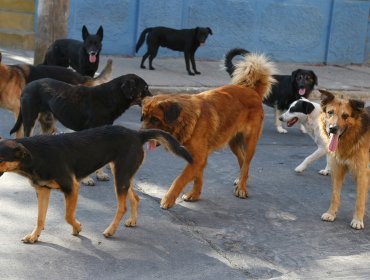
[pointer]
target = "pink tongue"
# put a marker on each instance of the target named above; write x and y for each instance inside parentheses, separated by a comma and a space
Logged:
(302, 91)
(152, 144)
(92, 58)
(334, 139)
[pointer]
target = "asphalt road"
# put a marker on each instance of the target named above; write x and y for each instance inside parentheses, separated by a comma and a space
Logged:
(276, 233)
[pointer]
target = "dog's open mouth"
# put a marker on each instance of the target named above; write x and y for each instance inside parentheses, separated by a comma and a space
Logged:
(92, 57)
(302, 91)
(152, 144)
(292, 121)
(333, 142)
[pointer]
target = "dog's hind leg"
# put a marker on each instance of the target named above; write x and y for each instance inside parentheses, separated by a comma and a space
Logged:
(43, 195)
(338, 174)
(71, 202)
(192, 59)
(134, 200)
(326, 171)
(145, 56)
(236, 145)
(47, 123)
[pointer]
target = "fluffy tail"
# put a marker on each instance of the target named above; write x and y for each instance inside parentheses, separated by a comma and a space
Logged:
(255, 71)
(168, 142)
(17, 124)
(103, 77)
(142, 38)
(228, 63)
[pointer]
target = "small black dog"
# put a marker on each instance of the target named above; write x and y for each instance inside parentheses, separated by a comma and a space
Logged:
(182, 40)
(59, 161)
(81, 56)
(288, 88)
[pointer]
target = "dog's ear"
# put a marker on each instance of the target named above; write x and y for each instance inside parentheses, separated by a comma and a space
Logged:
(128, 89)
(326, 97)
(209, 31)
(308, 107)
(85, 32)
(171, 111)
(21, 153)
(314, 77)
(100, 32)
(294, 75)
(357, 105)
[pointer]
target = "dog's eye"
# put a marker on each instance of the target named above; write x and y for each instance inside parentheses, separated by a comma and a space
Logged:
(153, 120)
(345, 116)
(331, 113)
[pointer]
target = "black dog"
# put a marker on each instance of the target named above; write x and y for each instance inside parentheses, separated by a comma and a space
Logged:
(81, 56)
(59, 161)
(183, 40)
(287, 89)
(79, 107)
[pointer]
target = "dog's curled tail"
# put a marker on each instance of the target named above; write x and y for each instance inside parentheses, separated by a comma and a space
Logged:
(17, 124)
(167, 141)
(228, 62)
(142, 38)
(105, 75)
(255, 71)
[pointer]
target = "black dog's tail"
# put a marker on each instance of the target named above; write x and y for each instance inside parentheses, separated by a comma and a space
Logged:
(229, 66)
(142, 38)
(167, 140)
(17, 124)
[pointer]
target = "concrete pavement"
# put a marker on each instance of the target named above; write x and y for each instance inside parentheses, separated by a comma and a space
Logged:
(274, 234)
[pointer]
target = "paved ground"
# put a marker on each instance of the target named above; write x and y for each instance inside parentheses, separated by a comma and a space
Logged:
(274, 234)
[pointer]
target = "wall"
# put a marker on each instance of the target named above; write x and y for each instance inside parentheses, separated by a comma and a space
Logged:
(316, 31)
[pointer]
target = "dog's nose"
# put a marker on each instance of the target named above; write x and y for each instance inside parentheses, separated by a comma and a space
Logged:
(333, 129)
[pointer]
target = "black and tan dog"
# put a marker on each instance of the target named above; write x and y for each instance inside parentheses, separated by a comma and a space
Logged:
(81, 56)
(13, 78)
(345, 127)
(288, 88)
(79, 107)
(59, 161)
(182, 40)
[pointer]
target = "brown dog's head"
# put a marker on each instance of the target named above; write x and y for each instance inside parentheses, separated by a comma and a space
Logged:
(11, 155)
(172, 113)
(340, 116)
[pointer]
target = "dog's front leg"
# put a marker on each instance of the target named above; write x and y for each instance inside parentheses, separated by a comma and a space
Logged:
(320, 152)
(178, 185)
(43, 195)
(192, 59)
(338, 174)
(71, 202)
(362, 180)
(187, 63)
(278, 123)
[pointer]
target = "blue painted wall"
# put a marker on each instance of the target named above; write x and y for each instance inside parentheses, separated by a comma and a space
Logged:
(315, 31)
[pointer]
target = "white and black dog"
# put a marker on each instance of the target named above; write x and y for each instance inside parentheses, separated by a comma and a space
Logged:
(307, 113)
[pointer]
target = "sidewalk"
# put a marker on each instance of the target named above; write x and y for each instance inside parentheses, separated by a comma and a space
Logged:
(171, 76)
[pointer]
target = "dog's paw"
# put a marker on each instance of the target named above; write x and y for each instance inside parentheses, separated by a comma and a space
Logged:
(357, 224)
(30, 238)
(76, 228)
(130, 222)
(142, 67)
(168, 201)
(300, 168)
(324, 172)
(102, 176)
(280, 129)
(151, 68)
(191, 74)
(303, 129)
(240, 192)
(197, 73)
(108, 232)
(88, 181)
(191, 196)
(328, 217)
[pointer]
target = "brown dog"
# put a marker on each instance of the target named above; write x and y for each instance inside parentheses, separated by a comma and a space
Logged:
(345, 125)
(207, 121)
